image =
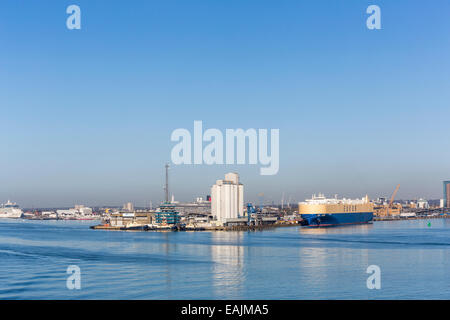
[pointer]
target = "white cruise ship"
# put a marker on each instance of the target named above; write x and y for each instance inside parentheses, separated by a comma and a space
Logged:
(10, 210)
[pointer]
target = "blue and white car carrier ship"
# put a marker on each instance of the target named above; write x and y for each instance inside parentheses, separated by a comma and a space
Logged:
(322, 212)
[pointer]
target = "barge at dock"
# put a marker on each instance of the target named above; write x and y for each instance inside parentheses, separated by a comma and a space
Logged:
(322, 212)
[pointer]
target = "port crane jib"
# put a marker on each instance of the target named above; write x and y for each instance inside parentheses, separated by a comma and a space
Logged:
(391, 202)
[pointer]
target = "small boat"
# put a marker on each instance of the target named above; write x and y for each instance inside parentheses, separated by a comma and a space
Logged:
(170, 227)
(136, 226)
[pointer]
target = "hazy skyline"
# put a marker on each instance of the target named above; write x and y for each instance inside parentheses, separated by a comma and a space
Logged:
(87, 114)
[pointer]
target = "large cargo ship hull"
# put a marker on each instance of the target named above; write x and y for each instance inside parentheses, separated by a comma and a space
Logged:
(337, 219)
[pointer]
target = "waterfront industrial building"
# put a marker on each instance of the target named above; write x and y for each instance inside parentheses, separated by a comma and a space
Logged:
(78, 212)
(125, 219)
(167, 215)
(227, 199)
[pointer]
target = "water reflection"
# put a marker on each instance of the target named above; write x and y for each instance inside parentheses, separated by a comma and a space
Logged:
(356, 229)
(320, 263)
(227, 253)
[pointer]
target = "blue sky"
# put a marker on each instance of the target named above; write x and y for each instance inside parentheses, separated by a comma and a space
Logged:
(87, 114)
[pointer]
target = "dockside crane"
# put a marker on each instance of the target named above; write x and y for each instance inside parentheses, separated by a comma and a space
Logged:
(391, 202)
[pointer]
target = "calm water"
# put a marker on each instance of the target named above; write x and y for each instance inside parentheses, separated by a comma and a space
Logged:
(285, 263)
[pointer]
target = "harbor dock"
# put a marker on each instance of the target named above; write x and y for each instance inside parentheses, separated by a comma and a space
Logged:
(202, 228)
(105, 227)
(397, 218)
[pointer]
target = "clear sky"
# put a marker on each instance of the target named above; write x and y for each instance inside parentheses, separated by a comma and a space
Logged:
(86, 115)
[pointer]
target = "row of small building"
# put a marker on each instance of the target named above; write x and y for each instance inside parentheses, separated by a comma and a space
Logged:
(78, 212)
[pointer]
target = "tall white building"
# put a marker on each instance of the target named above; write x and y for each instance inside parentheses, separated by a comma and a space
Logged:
(128, 207)
(227, 198)
(423, 204)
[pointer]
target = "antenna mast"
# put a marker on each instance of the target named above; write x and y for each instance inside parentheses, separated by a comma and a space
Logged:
(166, 188)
